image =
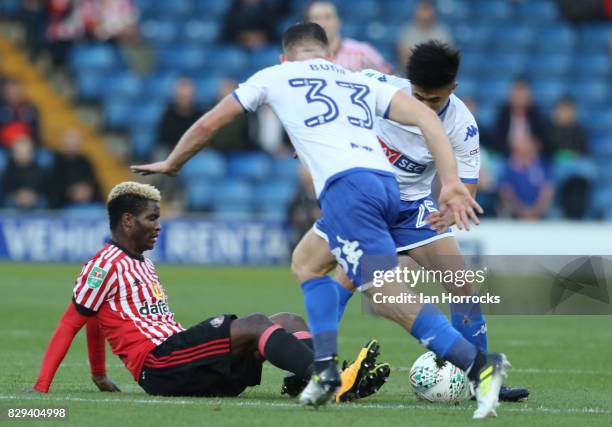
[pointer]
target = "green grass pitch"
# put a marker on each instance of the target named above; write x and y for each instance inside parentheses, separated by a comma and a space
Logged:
(565, 361)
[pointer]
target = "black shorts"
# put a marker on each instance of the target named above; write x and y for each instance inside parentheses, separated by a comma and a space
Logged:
(198, 362)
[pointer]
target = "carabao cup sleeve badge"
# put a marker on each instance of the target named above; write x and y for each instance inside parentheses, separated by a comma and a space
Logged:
(96, 277)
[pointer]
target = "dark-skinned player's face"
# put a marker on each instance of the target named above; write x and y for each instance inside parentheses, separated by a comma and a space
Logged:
(143, 228)
(435, 99)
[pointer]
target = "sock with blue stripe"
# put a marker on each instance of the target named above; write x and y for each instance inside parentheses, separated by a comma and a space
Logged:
(468, 319)
(321, 301)
(434, 331)
(344, 295)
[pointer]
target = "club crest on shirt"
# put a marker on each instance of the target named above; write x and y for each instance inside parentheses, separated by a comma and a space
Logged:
(157, 290)
(96, 277)
(217, 321)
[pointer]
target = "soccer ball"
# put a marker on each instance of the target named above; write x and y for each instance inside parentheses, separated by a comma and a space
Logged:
(437, 381)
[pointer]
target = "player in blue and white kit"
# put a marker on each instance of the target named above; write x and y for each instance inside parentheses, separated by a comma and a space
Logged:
(431, 71)
(329, 114)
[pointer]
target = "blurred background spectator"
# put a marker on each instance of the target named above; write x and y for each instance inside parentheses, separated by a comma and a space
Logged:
(18, 115)
(73, 181)
(518, 119)
(24, 183)
(525, 188)
(424, 27)
(235, 136)
(250, 23)
(345, 51)
(180, 114)
(567, 137)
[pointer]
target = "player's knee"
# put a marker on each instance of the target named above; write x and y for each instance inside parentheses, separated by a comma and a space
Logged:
(301, 271)
(290, 321)
(256, 323)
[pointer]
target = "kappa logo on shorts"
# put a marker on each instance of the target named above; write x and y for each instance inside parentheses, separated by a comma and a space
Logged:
(348, 254)
(217, 321)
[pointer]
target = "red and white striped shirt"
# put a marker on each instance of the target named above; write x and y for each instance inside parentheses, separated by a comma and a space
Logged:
(357, 56)
(131, 305)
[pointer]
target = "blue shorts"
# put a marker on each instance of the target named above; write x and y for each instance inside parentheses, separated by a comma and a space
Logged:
(410, 230)
(358, 210)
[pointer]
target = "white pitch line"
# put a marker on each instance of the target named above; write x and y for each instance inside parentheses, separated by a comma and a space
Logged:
(282, 405)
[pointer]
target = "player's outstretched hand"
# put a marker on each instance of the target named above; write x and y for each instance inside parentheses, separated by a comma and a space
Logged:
(457, 199)
(159, 167)
(104, 383)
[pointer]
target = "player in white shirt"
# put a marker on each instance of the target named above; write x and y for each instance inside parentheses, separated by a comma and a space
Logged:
(432, 71)
(329, 114)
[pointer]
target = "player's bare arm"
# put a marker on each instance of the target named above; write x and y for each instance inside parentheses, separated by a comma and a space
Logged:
(196, 137)
(442, 222)
(454, 196)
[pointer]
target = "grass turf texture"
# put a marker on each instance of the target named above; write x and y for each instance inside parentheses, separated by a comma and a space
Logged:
(565, 361)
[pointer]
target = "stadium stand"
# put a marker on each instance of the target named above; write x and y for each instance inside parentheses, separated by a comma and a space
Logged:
(500, 41)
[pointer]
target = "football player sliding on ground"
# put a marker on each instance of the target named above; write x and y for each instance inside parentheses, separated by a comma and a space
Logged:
(431, 78)
(119, 296)
(329, 113)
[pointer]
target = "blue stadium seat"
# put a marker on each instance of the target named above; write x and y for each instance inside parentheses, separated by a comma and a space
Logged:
(175, 9)
(200, 32)
(471, 63)
(117, 113)
(159, 86)
(277, 193)
(555, 39)
(359, 11)
(286, 169)
(4, 158)
(583, 167)
(146, 114)
(487, 113)
(207, 165)
(513, 38)
(508, 65)
(123, 85)
(143, 142)
(550, 66)
(602, 200)
(494, 91)
(91, 86)
(454, 10)
(207, 89)
(212, 8)
(233, 192)
(591, 91)
(466, 88)
(538, 11)
(492, 10)
(473, 35)
(159, 32)
(200, 195)
(397, 12)
(181, 59)
(45, 158)
(593, 65)
(599, 121)
(265, 57)
(86, 58)
(10, 7)
(382, 33)
(547, 92)
(255, 166)
(595, 38)
(234, 211)
(601, 148)
(226, 60)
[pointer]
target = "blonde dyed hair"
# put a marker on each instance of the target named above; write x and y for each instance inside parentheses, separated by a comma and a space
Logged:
(146, 191)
